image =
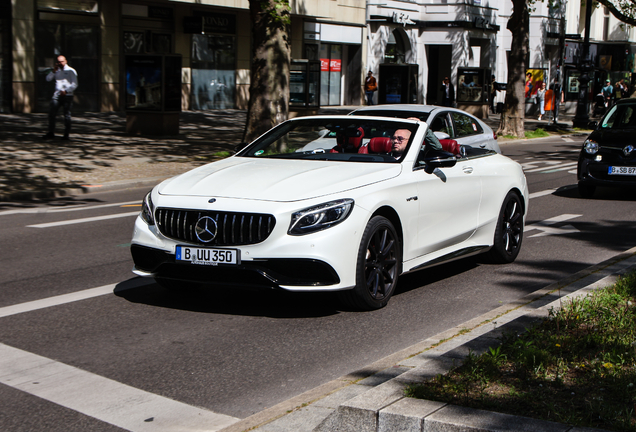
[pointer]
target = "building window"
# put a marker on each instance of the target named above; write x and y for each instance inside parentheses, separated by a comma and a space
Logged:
(213, 72)
(395, 50)
(330, 74)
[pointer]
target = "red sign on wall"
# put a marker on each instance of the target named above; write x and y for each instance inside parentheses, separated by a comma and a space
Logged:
(327, 65)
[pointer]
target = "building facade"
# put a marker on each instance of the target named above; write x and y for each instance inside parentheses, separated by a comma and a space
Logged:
(123, 50)
(120, 47)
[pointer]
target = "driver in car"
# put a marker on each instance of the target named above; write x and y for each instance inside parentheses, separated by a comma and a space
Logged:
(401, 137)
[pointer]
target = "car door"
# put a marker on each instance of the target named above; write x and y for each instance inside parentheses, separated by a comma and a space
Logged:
(449, 200)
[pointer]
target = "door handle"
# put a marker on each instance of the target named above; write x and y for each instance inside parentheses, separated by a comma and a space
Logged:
(467, 170)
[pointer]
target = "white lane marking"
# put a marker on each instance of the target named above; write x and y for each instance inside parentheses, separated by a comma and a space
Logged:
(541, 193)
(56, 300)
(90, 219)
(102, 398)
(546, 226)
(65, 209)
(552, 166)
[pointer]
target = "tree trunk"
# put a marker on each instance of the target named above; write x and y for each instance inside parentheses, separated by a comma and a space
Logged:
(269, 84)
(514, 106)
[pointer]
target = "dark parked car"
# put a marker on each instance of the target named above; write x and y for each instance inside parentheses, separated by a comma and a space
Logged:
(608, 156)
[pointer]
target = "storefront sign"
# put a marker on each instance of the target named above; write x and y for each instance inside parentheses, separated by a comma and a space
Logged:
(324, 65)
(160, 12)
(402, 18)
(335, 65)
(210, 23)
(193, 25)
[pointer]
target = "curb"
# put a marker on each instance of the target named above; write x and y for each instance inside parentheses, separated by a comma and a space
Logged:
(372, 399)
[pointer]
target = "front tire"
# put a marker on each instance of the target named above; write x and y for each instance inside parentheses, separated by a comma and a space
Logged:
(509, 231)
(377, 267)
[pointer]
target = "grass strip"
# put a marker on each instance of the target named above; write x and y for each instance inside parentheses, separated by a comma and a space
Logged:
(577, 367)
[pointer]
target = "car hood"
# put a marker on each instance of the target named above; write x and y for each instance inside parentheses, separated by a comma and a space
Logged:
(613, 137)
(276, 179)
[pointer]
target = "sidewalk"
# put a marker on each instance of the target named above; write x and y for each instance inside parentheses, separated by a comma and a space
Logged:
(101, 156)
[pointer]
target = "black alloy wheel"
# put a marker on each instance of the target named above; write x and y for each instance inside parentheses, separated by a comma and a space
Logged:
(377, 268)
(509, 231)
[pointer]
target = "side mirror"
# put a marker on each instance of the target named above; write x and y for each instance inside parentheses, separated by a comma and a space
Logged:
(592, 125)
(439, 159)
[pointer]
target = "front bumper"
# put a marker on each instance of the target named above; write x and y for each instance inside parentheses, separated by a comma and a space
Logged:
(595, 173)
(270, 273)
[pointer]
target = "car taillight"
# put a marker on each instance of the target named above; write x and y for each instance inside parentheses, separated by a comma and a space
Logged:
(494, 134)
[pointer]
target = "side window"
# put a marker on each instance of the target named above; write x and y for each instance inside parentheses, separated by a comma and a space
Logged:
(441, 123)
(465, 126)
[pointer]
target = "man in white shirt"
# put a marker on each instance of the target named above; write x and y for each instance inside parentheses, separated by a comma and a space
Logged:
(65, 83)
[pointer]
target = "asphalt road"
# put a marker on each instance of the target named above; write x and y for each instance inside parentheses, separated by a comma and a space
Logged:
(235, 353)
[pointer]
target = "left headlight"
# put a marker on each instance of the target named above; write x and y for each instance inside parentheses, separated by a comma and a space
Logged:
(148, 210)
(319, 217)
(590, 146)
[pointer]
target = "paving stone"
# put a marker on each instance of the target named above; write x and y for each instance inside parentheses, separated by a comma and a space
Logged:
(406, 415)
(453, 418)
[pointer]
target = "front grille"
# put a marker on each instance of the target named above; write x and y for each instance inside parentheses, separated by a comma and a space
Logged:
(233, 229)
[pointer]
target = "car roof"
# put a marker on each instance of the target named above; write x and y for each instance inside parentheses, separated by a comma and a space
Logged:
(400, 107)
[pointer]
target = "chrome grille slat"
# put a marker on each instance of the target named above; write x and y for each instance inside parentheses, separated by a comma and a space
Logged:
(233, 229)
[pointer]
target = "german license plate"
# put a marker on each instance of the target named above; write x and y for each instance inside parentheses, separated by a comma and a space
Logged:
(207, 256)
(618, 170)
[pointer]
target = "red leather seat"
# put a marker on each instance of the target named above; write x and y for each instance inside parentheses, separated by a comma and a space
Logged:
(451, 146)
(377, 145)
(347, 144)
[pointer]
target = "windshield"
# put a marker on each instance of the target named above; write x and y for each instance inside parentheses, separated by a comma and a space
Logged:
(392, 113)
(620, 116)
(344, 139)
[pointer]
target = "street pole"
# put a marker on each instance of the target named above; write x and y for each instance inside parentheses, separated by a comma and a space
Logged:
(582, 118)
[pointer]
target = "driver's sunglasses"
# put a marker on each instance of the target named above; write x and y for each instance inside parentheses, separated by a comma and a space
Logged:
(398, 138)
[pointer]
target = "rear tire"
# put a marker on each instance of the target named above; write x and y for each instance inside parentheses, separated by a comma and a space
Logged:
(586, 190)
(509, 231)
(377, 267)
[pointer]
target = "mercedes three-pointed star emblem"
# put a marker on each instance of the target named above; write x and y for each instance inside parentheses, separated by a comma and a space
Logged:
(205, 229)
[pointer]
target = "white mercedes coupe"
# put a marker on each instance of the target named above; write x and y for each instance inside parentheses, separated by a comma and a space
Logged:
(332, 203)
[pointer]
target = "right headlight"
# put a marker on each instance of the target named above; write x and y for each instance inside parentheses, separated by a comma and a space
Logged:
(591, 146)
(148, 210)
(319, 217)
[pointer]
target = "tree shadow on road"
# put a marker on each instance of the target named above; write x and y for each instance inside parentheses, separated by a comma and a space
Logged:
(99, 141)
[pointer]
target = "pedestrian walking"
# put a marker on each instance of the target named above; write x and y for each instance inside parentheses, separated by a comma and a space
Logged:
(620, 89)
(608, 92)
(493, 94)
(557, 94)
(541, 98)
(65, 84)
(448, 93)
(370, 86)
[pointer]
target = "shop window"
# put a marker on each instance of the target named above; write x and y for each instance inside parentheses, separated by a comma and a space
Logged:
(330, 74)
(147, 42)
(213, 72)
(79, 44)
